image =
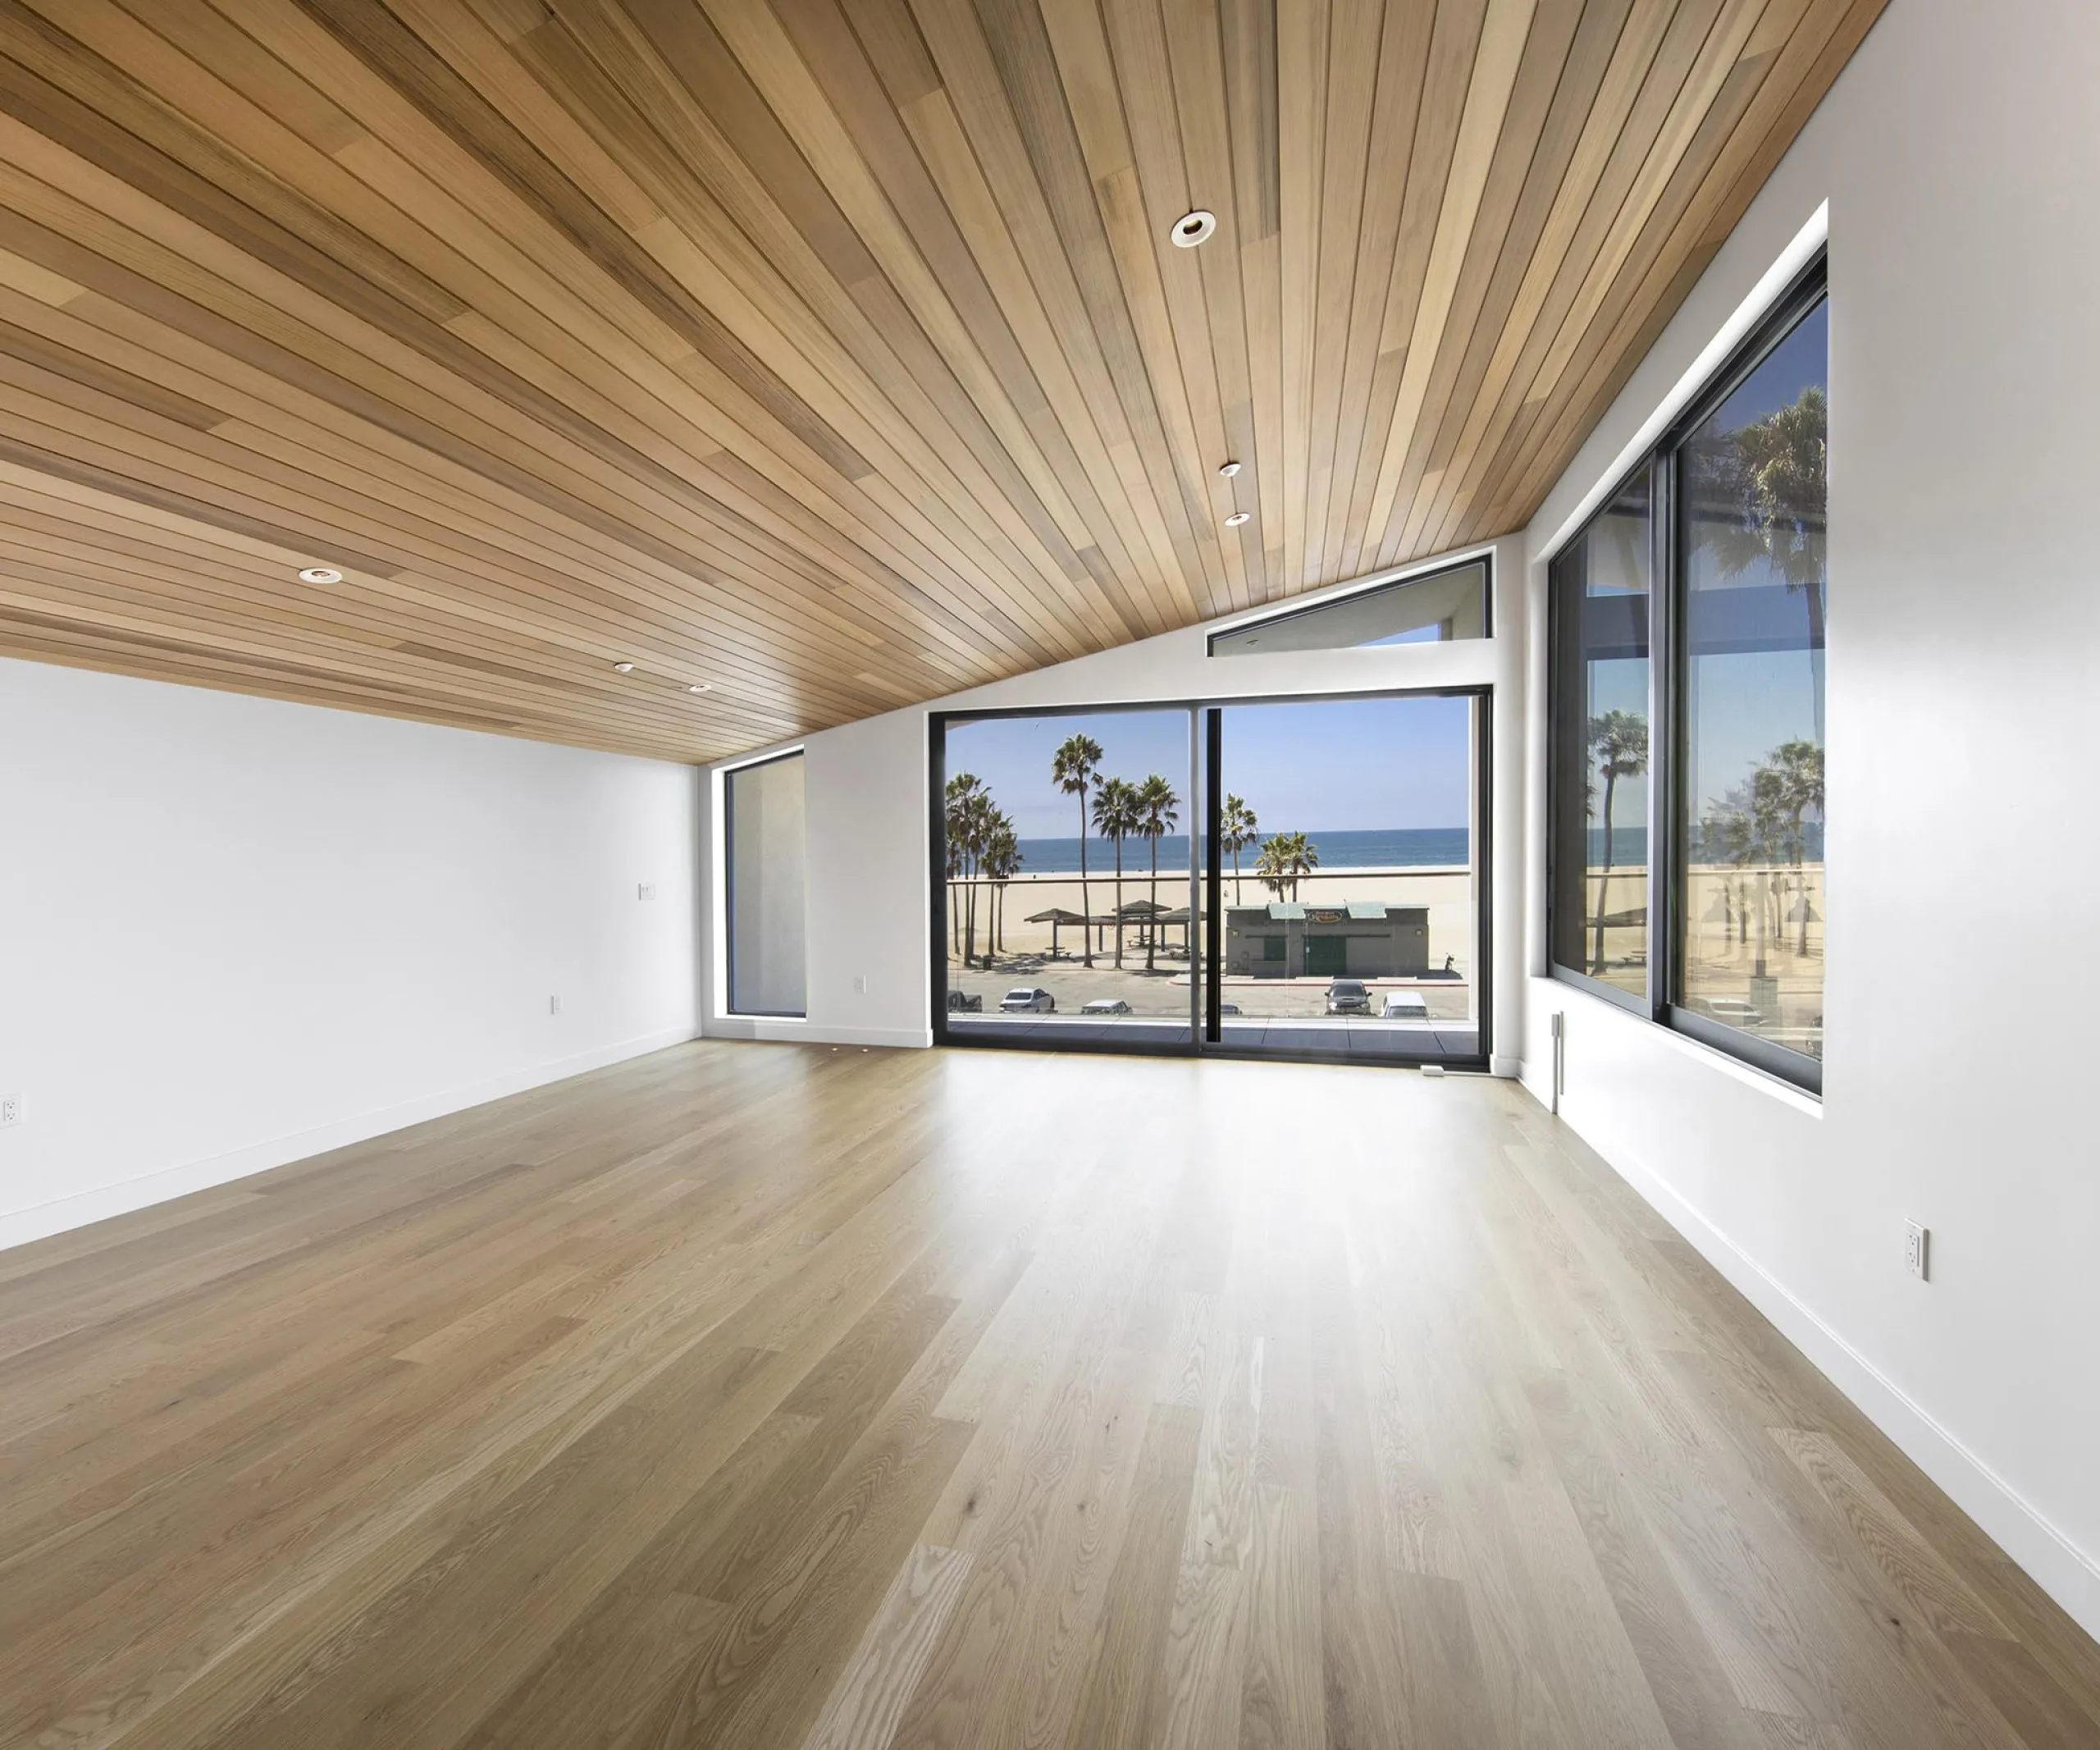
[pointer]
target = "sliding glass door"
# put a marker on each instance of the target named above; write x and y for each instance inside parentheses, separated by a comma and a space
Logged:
(1329, 904)
(1064, 864)
(1348, 840)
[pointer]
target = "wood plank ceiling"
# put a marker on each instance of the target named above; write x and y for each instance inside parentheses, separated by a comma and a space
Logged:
(828, 355)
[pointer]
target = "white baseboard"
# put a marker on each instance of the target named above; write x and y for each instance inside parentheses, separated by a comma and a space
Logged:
(19, 1226)
(804, 1033)
(2068, 1574)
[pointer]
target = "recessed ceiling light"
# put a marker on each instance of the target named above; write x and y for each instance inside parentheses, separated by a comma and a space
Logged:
(1237, 518)
(700, 687)
(623, 667)
(1193, 228)
(320, 574)
(1227, 470)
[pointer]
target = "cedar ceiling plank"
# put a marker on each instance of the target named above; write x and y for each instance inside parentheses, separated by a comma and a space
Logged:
(1302, 63)
(1247, 30)
(1483, 292)
(1166, 285)
(1353, 59)
(1656, 54)
(978, 560)
(1423, 67)
(1017, 42)
(832, 351)
(1661, 271)
(1504, 32)
(1573, 92)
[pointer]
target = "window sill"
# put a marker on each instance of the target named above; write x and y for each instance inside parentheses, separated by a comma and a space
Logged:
(1693, 1050)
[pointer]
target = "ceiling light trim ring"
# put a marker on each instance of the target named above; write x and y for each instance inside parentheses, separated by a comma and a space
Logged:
(1193, 228)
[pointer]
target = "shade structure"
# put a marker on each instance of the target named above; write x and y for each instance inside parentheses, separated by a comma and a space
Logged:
(1057, 918)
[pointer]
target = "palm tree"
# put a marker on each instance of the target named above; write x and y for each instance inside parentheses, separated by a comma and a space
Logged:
(1157, 803)
(1796, 767)
(1117, 815)
(1725, 836)
(970, 816)
(1002, 862)
(959, 796)
(1237, 828)
(1767, 808)
(1273, 865)
(1618, 748)
(1304, 859)
(1072, 768)
(1284, 858)
(1741, 829)
(1766, 497)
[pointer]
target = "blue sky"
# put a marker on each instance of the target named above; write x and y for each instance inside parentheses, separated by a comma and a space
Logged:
(1742, 703)
(1330, 765)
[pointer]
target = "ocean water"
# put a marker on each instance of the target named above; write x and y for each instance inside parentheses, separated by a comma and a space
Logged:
(1412, 847)
(1406, 847)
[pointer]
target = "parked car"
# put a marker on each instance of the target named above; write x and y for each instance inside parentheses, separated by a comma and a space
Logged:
(1405, 1005)
(1348, 996)
(1732, 1011)
(965, 1003)
(1029, 999)
(1228, 1009)
(1105, 1006)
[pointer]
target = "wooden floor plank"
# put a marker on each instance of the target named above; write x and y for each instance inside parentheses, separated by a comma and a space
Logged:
(763, 1396)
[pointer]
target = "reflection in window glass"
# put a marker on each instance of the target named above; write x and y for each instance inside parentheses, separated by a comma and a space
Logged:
(1601, 589)
(1751, 823)
(1432, 610)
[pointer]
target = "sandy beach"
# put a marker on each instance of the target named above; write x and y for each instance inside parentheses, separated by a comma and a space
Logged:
(1721, 966)
(1023, 954)
(1448, 893)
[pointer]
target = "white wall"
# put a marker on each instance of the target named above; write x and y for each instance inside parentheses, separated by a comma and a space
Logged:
(1960, 165)
(869, 894)
(238, 932)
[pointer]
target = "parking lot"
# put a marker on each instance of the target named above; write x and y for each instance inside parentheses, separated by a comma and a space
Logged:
(1164, 994)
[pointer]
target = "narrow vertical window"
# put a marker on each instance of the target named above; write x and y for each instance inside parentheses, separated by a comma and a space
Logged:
(765, 887)
(1752, 476)
(1600, 689)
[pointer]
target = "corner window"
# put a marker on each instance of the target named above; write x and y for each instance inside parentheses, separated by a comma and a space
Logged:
(1435, 608)
(1687, 873)
(764, 887)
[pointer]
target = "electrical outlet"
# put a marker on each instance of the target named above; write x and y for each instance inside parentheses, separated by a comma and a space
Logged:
(645, 890)
(11, 1109)
(859, 984)
(554, 1005)
(1917, 1251)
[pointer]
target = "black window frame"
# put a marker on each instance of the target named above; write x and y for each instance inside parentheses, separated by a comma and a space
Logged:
(730, 1011)
(1663, 464)
(1206, 722)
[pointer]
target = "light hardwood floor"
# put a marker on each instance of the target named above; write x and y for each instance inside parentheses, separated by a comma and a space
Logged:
(761, 1395)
